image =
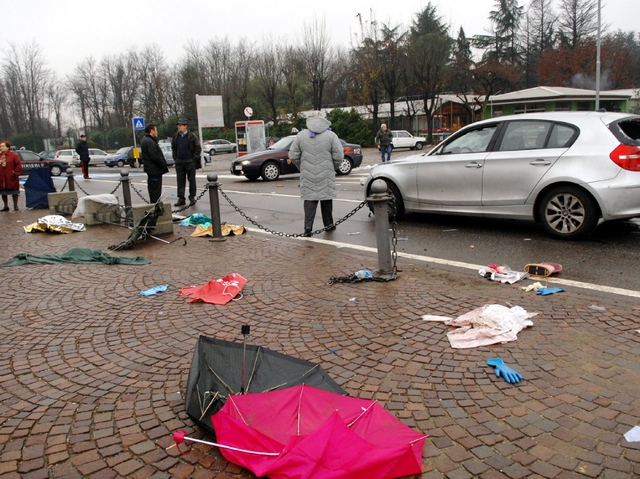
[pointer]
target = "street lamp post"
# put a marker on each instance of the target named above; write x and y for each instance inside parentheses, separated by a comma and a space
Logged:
(598, 58)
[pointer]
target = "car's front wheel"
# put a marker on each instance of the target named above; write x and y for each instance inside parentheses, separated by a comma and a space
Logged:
(270, 171)
(397, 201)
(120, 163)
(55, 170)
(568, 212)
(345, 167)
(234, 150)
(419, 146)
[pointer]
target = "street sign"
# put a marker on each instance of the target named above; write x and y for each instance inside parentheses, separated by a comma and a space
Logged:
(138, 123)
(248, 111)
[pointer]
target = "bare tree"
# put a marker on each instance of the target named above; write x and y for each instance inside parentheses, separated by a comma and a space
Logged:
(27, 68)
(292, 75)
(121, 72)
(394, 52)
(577, 21)
(152, 77)
(317, 53)
(91, 94)
(268, 75)
(56, 97)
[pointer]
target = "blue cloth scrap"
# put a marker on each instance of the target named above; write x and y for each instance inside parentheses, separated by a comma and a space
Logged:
(155, 290)
(548, 291)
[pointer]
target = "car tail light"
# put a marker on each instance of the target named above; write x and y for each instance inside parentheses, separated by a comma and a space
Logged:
(627, 157)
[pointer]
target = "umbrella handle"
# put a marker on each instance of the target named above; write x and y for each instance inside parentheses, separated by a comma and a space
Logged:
(180, 436)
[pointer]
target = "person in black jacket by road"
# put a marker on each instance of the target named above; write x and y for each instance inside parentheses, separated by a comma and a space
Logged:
(82, 149)
(186, 153)
(153, 161)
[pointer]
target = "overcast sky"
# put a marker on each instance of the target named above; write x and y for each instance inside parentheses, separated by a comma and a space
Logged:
(69, 31)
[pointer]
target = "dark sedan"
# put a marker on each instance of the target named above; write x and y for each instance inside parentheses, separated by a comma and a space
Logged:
(31, 160)
(272, 162)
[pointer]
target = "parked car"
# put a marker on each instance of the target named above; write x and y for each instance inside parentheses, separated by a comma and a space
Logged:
(566, 170)
(168, 154)
(219, 146)
(124, 156)
(404, 139)
(49, 155)
(272, 162)
(31, 160)
(68, 156)
(96, 157)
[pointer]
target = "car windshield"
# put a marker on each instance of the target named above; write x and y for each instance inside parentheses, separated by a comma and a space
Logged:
(122, 150)
(283, 144)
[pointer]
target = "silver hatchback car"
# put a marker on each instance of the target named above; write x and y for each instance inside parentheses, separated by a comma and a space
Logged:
(566, 170)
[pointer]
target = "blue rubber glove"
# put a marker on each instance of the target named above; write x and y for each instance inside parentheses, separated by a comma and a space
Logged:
(505, 371)
(155, 290)
(548, 291)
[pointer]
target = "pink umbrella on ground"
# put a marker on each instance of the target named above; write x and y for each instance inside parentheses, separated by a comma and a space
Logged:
(305, 432)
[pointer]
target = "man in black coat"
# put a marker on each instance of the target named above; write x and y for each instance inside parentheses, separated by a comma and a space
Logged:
(186, 153)
(82, 149)
(153, 161)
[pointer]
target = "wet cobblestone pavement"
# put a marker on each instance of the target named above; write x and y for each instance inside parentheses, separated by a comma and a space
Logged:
(92, 374)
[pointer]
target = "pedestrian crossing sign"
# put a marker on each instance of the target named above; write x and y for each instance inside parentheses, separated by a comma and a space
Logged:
(138, 123)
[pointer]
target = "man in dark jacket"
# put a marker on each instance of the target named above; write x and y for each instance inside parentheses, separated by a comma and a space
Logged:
(154, 162)
(186, 153)
(384, 140)
(82, 149)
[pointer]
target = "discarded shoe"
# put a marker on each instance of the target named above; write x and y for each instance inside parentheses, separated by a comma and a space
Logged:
(543, 269)
(179, 203)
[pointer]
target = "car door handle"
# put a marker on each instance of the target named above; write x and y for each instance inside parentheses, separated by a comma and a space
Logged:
(540, 162)
(473, 164)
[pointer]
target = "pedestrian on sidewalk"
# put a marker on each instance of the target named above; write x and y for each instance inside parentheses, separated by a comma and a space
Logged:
(82, 149)
(186, 152)
(317, 152)
(153, 161)
(384, 140)
(10, 169)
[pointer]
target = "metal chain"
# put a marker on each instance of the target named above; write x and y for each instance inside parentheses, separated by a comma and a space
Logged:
(198, 198)
(138, 192)
(394, 237)
(65, 185)
(289, 235)
(81, 189)
(116, 188)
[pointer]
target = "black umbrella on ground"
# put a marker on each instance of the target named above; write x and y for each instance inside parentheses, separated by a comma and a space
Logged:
(218, 369)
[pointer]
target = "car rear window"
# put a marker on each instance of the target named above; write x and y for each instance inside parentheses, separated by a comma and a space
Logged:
(627, 131)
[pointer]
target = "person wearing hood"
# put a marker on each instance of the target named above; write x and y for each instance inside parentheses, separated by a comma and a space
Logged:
(317, 153)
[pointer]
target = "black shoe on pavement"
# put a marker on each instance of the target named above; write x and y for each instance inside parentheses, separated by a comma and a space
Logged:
(192, 202)
(332, 228)
(180, 203)
(307, 233)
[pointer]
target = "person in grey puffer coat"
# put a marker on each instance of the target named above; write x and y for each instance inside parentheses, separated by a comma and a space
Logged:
(317, 153)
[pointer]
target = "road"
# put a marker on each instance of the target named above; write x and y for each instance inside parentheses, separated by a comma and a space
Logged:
(609, 259)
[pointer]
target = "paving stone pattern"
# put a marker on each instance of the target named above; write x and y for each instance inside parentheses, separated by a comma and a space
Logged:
(92, 374)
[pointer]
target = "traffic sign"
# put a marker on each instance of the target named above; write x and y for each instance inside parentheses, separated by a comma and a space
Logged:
(138, 123)
(248, 111)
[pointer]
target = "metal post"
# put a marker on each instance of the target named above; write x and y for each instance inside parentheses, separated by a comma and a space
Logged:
(380, 199)
(245, 329)
(72, 185)
(214, 203)
(126, 188)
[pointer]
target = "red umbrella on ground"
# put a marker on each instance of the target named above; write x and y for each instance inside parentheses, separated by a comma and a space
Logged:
(219, 291)
(303, 432)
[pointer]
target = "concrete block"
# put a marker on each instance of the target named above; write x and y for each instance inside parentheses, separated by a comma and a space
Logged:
(164, 225)
(60, 203)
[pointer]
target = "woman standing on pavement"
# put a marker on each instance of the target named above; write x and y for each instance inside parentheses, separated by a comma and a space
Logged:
(10, 169)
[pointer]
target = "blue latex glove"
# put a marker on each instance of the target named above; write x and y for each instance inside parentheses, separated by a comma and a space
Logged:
(548, 291)
(505, 371)
(155, 290)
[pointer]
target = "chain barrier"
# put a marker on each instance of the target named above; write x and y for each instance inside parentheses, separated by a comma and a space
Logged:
(138, 192)
(65, 185)
(198, 198)
(116, 188)
(290, 235)
(81, 189)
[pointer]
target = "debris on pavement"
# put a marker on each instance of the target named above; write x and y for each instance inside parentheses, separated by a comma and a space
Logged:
(504, 274)
(431, 317)
(219, 291)
(489, 324)
(595, 307)
(633, 434)
(74, 255)
(54, 224)
(532, 287)
(548, 291)
(155, 290)
(505, 371)
(543, 269)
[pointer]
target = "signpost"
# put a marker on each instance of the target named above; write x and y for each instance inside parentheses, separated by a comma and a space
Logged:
(138, 124)
(209, 109)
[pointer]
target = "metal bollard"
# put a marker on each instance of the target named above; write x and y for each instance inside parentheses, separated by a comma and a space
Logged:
(72, 185)
(214, 203)
(380, 199)
(126, 188)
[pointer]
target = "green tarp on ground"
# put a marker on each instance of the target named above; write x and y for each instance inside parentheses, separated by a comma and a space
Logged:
(74, 255)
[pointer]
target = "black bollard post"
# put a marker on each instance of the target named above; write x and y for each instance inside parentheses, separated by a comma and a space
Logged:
(72, 185)
(214, 203)
(380, 199)
(126, 188)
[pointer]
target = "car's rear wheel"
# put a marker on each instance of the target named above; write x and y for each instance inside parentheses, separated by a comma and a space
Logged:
(120, 163)
(419, 146)
(212, 152)
(234, 150)
(270, 171)
(55, 170)
(345, 167)
(568, 212)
